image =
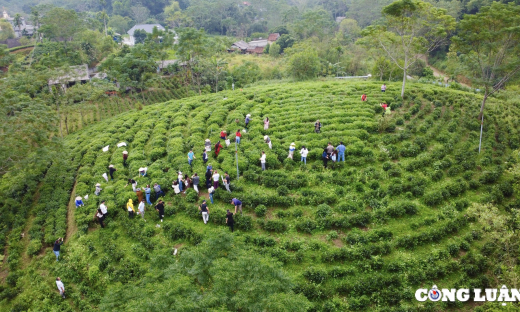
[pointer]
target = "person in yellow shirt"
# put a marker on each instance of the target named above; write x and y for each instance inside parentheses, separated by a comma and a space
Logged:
(130, 208)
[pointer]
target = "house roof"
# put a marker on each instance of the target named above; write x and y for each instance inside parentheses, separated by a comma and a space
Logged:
(257, 50)
(273, 37)
(146, 27)
(241, 45)
(258, 43)
(75, 73)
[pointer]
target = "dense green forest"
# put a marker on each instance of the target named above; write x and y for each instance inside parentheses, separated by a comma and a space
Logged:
(426, 195)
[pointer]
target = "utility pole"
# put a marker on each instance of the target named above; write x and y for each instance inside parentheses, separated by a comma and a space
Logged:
(236, 157)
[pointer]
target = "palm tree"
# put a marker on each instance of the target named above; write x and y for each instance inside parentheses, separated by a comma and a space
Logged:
(18, 22)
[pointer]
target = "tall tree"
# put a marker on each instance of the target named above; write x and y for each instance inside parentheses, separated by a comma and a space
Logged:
(411, 28)
(61, 24)
(139, 13)
(119, 23)
(18, 22)
(193, 44)
(6, 30)
(488, 44)
(104, 15)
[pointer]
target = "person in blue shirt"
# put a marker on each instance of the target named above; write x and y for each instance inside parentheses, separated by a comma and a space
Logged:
(79, 202)
(248, 119)
(238, 205)
(325, 157)
(292, 148)
(191, 157)
(204, 156)
(147, 192)
(341, 151)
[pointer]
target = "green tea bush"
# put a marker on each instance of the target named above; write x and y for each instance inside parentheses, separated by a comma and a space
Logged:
(323, 211)
(260, 211)
(282, 190)
(191, 195)
(273, 226)
(315, 275)
(306, 226)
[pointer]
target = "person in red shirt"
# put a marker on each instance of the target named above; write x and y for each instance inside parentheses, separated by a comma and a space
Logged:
(238, 135)
(223, 134)
(218, 146)
(384, 106)
(364, 97)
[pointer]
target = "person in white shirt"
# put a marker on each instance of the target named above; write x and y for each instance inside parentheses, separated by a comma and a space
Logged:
(141, 208)
(104, 209)
(176, 188)
(304, 153)
(180, 179)
(216, 177)
(61, 287)
(383, 88)
(262, 160)
(211, 191)
(98, 189)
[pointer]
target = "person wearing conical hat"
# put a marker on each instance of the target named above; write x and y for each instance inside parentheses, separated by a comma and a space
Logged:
(125, 157)
(111, 169)
(142, 171)
(98, 189)
(223, 134)
(248, 119)
(79, 202)
(292, 148)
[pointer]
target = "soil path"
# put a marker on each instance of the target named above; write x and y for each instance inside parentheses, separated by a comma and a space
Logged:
(437, 73)
(72, 228)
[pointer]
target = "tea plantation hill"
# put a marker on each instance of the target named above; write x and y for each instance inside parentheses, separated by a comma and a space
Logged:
(360, 235)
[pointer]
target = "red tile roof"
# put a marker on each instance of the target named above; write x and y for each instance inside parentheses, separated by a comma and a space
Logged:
(273, 37)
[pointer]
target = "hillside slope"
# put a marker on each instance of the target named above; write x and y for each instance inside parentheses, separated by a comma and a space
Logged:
(360, 235)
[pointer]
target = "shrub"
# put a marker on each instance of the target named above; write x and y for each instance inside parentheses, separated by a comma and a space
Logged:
(433, 198)
(243, 222)
(323, 211)
(34, 247)
(306, 226)
(315, 275)
(191, 196)
(332, 235)
(260, 211)
(282, 190)
(349, 207)
(274, 226)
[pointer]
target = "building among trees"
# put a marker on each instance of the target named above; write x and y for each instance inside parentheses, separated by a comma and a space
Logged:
(20, 27)
(140, 28)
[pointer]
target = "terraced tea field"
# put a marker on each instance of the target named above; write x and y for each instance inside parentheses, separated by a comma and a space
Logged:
(404, 211)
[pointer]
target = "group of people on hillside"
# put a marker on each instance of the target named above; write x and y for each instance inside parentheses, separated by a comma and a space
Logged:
(334, 154)
(183, 182)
